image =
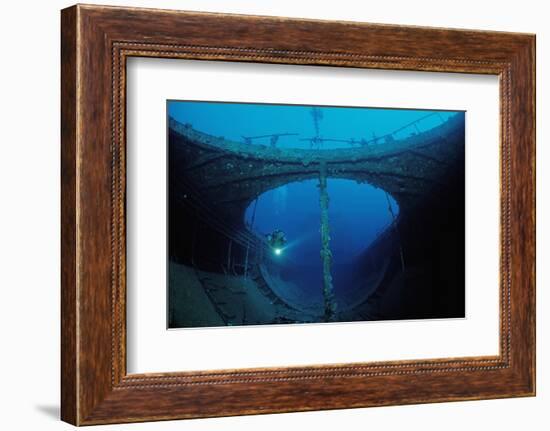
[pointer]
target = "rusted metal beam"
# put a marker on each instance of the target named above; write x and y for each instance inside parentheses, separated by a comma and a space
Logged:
(326, 253)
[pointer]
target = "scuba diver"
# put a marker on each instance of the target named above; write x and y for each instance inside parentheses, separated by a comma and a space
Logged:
(276, 240)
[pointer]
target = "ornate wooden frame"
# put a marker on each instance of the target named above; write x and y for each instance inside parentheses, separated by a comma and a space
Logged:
(95, 42)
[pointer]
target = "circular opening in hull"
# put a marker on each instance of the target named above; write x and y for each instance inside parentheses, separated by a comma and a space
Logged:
(289, 218)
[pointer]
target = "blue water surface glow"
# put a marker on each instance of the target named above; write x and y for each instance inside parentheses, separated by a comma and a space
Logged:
(234, 121)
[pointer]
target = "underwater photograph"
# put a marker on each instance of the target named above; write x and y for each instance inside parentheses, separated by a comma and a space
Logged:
(292, 214)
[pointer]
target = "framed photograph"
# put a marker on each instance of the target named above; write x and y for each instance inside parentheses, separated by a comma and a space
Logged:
(264, 214)
(306, 227)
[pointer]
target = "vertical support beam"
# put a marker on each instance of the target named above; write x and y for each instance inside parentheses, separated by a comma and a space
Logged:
(246, 259)
(326, 254)
(248, 239)
(229, 247)
(394, 225)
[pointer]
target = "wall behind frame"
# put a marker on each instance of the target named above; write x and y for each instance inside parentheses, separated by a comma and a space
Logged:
(29, 220)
